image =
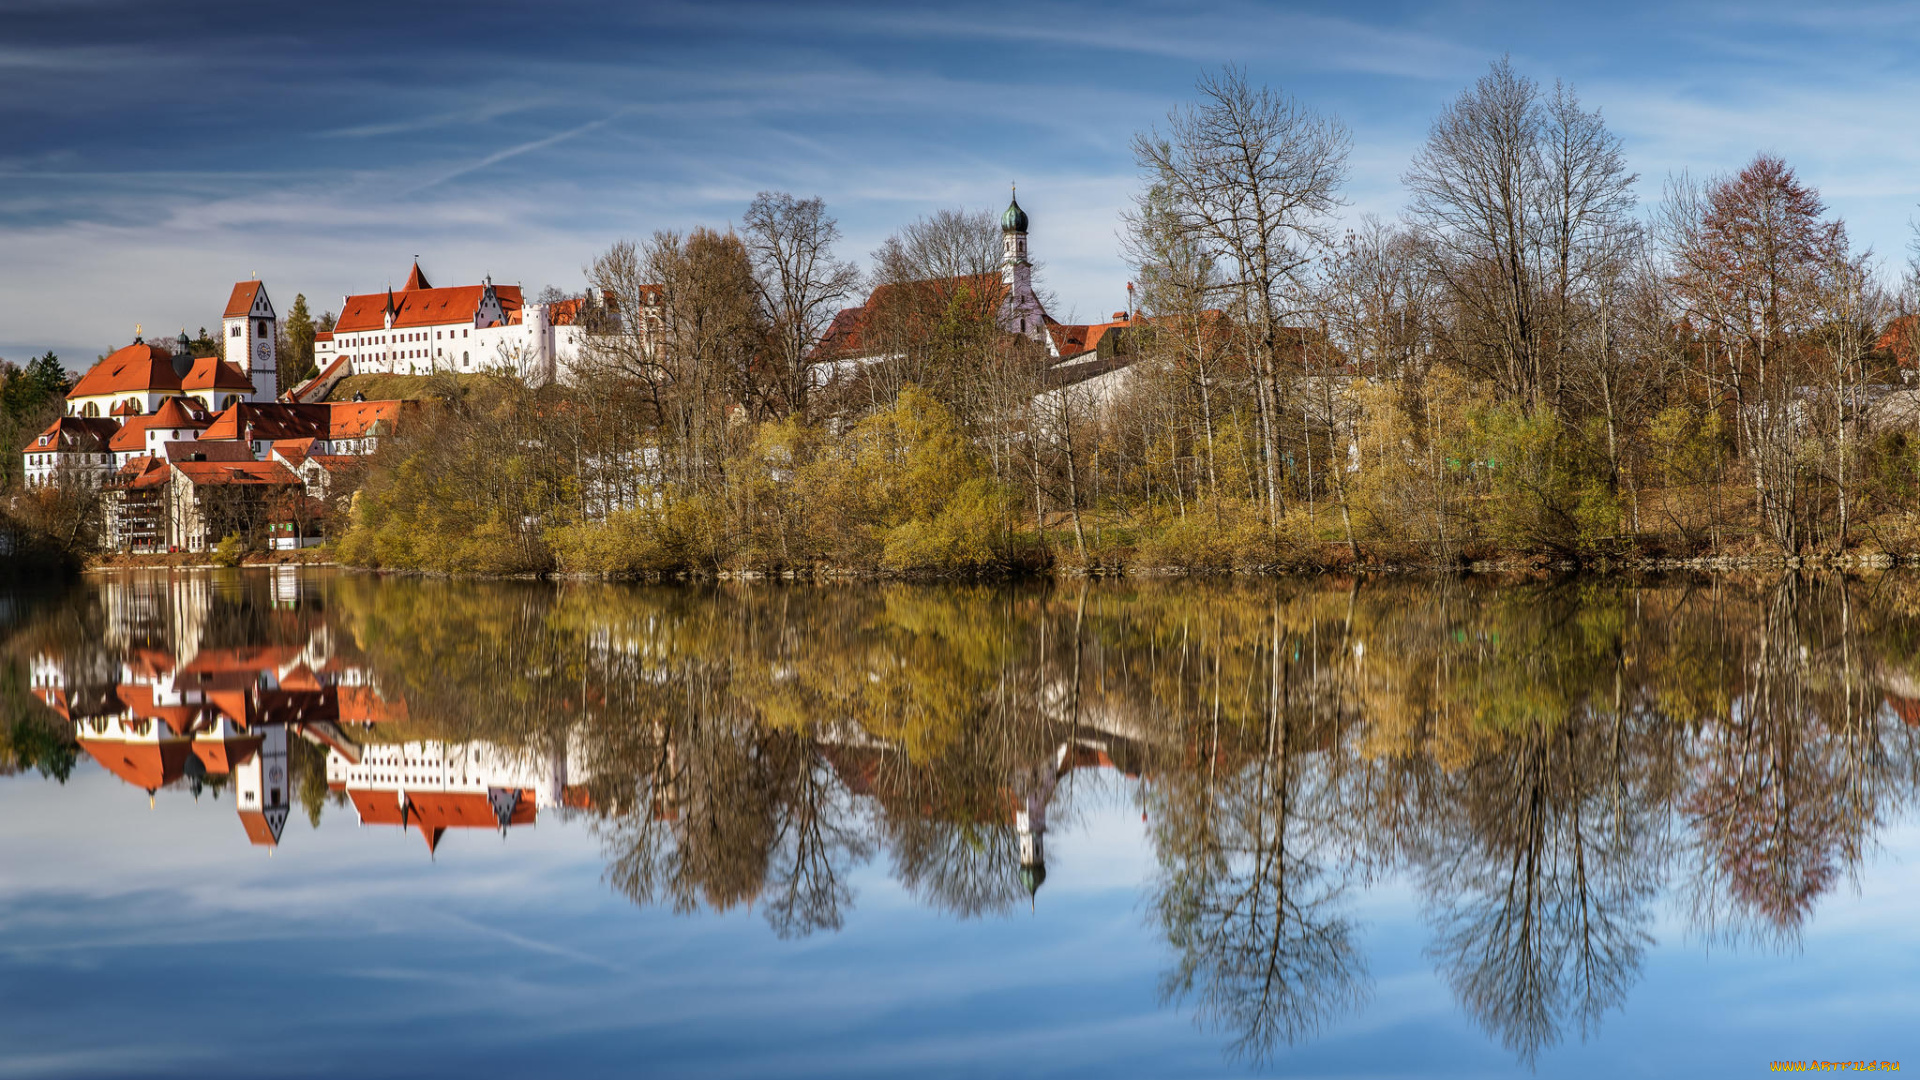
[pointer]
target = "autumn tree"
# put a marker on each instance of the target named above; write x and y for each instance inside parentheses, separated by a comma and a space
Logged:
(1752, 256)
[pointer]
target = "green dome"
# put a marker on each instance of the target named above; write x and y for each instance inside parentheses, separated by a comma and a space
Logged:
(1032, 876)
(1015, 219)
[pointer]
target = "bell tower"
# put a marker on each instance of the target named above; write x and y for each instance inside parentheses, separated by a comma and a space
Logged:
(1020, 312)
(248, 332)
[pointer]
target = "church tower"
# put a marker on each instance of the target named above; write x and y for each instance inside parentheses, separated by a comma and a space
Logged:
(248, 330)
(1020, 312)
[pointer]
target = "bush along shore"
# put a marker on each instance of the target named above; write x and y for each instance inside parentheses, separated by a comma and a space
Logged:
(904, 492)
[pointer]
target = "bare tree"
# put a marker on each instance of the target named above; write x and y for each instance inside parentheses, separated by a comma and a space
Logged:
(801, 284)
(1253, 175)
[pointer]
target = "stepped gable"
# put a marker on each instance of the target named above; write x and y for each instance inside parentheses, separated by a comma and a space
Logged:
(138, 368)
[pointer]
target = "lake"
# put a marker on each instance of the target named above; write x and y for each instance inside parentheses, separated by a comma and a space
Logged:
(283, 822)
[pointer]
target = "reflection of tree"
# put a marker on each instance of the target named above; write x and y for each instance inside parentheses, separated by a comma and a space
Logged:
(1534, 756)
(1541, 879)
(1250, 894)
(1782, 794)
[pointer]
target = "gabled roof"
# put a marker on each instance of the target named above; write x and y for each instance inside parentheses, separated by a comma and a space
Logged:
(144, 471)
(145, 765)
(292, 451)
(213, 373)
(237, 473)
(421, 307)
(175, 414)
(138, 368)
(847, 334)
(240, 303)
(270, 420)
(416, 280)
(75, 434)
(206, 451)
(323, 335)
(354, 419)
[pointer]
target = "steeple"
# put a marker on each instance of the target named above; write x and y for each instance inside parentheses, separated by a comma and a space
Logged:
(415, 280)
(1015, 271)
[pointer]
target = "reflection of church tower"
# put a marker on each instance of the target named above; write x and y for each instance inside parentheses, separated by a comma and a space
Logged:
(262, 788)
(1035, 790)
(1031, 823)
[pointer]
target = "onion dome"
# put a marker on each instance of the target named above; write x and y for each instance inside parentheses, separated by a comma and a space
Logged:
(1032, 876)
(1015, 219)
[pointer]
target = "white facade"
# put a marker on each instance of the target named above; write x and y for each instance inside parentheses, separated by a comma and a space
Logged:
(248, 343)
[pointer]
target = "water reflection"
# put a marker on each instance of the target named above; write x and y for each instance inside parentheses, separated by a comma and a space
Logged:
(1549, 763)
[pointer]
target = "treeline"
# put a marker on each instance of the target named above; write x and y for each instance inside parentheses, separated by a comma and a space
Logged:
(1526, 362)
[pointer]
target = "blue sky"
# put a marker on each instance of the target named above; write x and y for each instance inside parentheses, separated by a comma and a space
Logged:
(153, 153)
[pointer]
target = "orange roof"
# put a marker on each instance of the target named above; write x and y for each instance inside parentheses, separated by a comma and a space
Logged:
(421, 307)
(139, 701)
(138, 368)
(221, 755)
(241, 302)
(143, 471)
(323, 335)
(194, 450)
(259, 830)
(293, 451)
(333, 463)
(361, 705)
(416, 280)
(70, 434)
(433, 813)
(176, 414)
(236, 472)
(271, 420)
(145, 765)
(353, 419)
(846, 335)
(213, 373)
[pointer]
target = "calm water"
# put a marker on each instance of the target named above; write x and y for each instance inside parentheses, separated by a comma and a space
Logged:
(272, 824)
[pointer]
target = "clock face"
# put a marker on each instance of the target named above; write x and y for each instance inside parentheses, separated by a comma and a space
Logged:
(261, 349)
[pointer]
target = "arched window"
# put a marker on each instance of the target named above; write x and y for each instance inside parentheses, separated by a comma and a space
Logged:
(92, 408)
(463, 359)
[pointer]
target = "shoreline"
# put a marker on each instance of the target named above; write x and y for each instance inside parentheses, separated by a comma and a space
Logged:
(1493, 567)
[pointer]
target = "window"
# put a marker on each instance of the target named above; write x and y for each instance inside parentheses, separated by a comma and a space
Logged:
(234, 332)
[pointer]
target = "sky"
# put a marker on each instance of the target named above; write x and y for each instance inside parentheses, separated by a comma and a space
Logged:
(153, 153)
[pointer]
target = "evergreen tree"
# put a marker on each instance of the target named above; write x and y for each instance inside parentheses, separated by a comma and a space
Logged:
(296, 352)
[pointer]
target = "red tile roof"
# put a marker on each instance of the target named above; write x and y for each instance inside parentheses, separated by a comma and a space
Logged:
(354, 419)
(138, 368)
(270, 420)
(236, 472)
(292, 451)
(416, 280)
(145, 765)
(434, 812)
(75, 434)
(422, 307)
(847, 334)
(323, 335)
(207, 451)
(241, 302)
(213, 373)
(259, 831)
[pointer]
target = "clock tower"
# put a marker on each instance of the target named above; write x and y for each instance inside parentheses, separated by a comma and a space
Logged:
(248, 330)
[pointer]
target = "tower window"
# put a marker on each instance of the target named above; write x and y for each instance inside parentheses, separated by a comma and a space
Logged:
(235, 332)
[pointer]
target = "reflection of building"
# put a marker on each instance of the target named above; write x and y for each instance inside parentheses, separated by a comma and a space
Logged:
(435, 786)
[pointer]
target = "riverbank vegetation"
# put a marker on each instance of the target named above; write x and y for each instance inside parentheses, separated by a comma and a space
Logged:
(1528, 363)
